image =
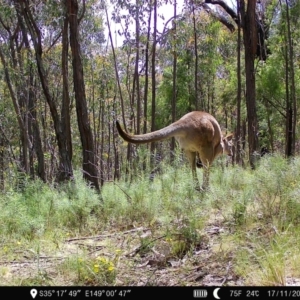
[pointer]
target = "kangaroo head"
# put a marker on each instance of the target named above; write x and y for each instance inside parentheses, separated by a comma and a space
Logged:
(227, 145)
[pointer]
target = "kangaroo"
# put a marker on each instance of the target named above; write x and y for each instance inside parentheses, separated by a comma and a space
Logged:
(198, 134)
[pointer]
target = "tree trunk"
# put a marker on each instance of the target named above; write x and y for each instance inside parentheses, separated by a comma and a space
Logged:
(117, 174)
(2, 166)
(116, 69)
(197, 98)
(147, 73)
(270, 129)
(136, 79)
(37, 141)
(288, 109)
(153, 105)
(22, 129)
(250, 44)
(174, 91)
(238, 151)
(65, 165)
(33, 124)
(65, 109)
(89, 161)
(145, 113)
(291, 111)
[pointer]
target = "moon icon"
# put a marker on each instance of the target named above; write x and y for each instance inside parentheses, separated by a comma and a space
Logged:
(215, 293)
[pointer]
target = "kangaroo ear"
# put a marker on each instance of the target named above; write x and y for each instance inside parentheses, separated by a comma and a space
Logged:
(229, 137)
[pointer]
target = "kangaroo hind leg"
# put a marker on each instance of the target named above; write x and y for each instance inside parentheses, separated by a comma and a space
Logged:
(191, 156)
(206, 156)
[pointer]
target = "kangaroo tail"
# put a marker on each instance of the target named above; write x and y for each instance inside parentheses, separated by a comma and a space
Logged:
(157, 135)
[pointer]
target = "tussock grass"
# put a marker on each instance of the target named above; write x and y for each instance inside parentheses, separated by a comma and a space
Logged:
(40, 207)
(247, 224)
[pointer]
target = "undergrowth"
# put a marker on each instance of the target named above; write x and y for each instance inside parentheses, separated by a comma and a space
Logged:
(255, 214)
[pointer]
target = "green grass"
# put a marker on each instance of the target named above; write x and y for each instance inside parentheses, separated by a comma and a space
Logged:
(248, 224)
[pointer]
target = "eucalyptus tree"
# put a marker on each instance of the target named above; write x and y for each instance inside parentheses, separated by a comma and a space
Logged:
(204, 59)
(16, 59)
(289, 25)
(254, 37)
(248, 23)
(153, 76)
(90, 172)
(42, 35)
(174, 83)
(278, 86)
(139, 79)
(48, 32)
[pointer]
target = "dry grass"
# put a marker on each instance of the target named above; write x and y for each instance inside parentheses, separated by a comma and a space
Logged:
(242, 232)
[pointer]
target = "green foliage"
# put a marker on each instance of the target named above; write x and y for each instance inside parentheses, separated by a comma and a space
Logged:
(96, 272)
(256, 211)
(40, 207)
(212, 57)
(251, 214)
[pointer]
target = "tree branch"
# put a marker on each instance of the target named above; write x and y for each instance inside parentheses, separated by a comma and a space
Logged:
(227, 8)
(83, 12)
(219, 17)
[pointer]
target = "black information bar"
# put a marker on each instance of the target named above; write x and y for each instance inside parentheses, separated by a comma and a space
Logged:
(84, 292)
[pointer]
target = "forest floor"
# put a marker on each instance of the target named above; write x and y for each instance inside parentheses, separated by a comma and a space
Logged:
(134, 264)
(243, 232)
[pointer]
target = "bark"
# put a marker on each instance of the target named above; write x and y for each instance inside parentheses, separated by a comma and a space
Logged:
(116, 69)
(290, 85)
(22, 128)
(136, 79)
(250, 43)
(65, 109)
(270, 128)
(65, 165)
(239, 95)
(117, 174)
(227, 8)
(174, 92)
(147, 74)
(2, 166)
(90, 172)
(261, 28)
(219, 17)
(197, 98)
(33, 125)
(36, 135)
(288, 108)
(145, 113)
(17, 90)
(153, 100)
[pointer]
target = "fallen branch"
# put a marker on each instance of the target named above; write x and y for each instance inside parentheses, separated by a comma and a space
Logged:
(98, 237)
